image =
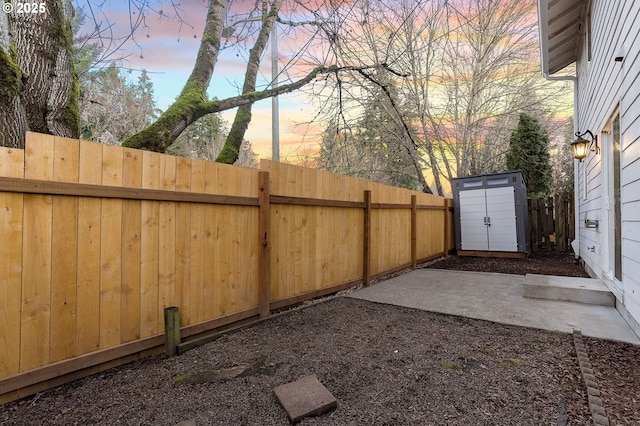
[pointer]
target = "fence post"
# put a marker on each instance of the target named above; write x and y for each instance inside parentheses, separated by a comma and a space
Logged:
(447, 228)
(171, 330)
(264, 225)
(366, 257)
(414, 233)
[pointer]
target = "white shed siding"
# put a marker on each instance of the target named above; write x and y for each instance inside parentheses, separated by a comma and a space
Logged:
(606, 87)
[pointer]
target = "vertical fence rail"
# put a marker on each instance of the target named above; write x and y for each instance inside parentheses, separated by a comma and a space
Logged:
(366, 255)
(264, 229)
(99, 240)
(414, 232)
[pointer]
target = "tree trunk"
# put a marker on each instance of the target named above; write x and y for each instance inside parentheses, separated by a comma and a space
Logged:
(13, 121)
(413, 153)
(189, 105)
(231, 149)
(38, 86)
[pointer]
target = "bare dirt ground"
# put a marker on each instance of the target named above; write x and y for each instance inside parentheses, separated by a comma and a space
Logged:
(617, 365)
(386, 365)
(544, 263)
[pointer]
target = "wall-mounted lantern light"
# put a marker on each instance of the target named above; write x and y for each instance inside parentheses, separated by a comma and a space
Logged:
(582, 146)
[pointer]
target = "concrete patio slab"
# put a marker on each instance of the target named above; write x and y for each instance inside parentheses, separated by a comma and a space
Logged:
(498, 298)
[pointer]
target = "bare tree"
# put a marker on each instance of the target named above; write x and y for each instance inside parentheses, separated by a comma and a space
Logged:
(191, 103)
(111, 109)
(561, 136)
(367, 35)
(466, 70)
(489, 62)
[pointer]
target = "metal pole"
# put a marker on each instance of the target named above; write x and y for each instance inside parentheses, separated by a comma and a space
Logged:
(275, 113)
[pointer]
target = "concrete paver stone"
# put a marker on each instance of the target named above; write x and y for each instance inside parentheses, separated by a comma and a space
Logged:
(305, 397)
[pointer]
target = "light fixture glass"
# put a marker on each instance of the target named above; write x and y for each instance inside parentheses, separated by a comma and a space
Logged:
(582, 146)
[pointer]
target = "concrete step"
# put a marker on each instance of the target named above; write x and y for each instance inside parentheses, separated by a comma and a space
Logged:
(568, 289)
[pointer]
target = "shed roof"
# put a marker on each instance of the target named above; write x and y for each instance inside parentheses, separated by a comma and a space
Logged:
(560, 23)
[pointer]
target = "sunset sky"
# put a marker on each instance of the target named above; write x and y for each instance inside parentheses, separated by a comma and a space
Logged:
(166, 47)
(167, 50)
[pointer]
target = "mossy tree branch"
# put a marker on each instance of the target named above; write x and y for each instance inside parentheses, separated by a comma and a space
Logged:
(187, 108)
(191, 105)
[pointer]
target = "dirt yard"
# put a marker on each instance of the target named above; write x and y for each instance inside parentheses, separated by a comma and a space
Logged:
(386, 365)
(538, 263)
(617, 365)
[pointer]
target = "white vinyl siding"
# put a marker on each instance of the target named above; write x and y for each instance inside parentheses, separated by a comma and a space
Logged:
(604, 87)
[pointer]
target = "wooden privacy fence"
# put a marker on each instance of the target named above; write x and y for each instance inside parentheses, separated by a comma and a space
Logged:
(551, 222)
(96, 240)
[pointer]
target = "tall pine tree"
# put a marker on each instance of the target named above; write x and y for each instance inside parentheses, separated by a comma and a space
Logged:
(529, 152)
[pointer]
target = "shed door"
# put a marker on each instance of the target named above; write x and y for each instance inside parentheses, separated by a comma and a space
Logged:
(488, 220)
(473, 210)
(501, 210)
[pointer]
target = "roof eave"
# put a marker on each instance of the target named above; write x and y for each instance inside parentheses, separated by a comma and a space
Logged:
(559, 33)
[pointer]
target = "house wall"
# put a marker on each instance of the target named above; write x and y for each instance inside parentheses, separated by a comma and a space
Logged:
(606, 88)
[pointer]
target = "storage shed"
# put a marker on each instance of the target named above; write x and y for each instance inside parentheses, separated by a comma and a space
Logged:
(491, 215)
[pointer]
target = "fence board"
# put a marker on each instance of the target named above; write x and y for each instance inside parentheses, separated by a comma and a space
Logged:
(149, 292)
(89, 232)
(183, 241)
(196, 270)
(38, 158)
(11, 162)
(300, 264)
(236, 253)
(265, 241)
(326, 251)
(166, 240)
(36, 258)
(11, 220)
(64, 253)
(110, 250)
(561, 235)
(310, 189)
(131, 249)
(209, 236)
(221, 247)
